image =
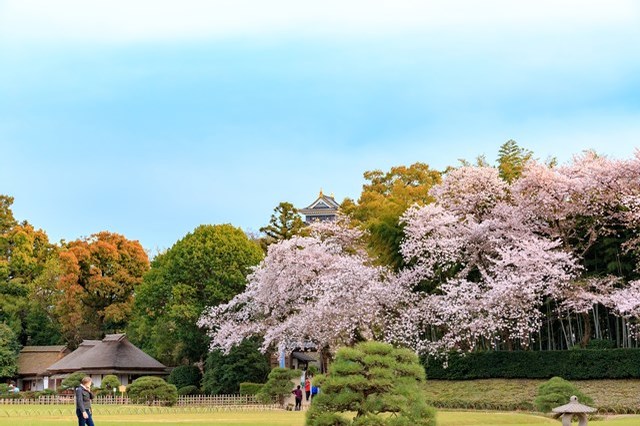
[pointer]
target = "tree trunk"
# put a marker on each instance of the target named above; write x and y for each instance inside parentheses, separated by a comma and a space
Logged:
(325, 357)
(596, 322)
(587, 330)
(566, 338)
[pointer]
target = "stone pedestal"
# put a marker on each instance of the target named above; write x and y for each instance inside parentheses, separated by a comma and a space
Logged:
(566, 419)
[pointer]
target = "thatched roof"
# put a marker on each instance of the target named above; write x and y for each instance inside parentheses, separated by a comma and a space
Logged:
(34, 360)
(112, 354)
(68, 363)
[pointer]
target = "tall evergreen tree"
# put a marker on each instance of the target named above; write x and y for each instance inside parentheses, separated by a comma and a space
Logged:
(285, 223)
(7, 221)
(512, 159)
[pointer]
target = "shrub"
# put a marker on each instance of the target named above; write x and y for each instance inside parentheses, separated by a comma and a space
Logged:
(581, 364)
(375, 381)
(4, 389)
(278, 385)
(149, 389)
(189, 390)
(73, 380)
(9, 394)
(109, 382)
(556, 392)
(47, 392)
(185, 375)
(248, 388)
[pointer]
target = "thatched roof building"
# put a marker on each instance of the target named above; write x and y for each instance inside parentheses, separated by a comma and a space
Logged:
(33, 362)
(112, 355)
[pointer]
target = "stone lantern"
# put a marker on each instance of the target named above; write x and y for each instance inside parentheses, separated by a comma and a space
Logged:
(573, 408)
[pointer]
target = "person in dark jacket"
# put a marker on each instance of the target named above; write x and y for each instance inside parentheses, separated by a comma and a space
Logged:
(83, 402)
(298, 394)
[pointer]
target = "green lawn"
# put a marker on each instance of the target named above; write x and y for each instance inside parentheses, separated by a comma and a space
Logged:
(613, 396)
(126, 416)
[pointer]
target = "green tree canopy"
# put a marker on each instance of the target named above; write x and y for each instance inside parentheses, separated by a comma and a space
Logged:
(7, 221)
(285, 223)
(25, 256)
(185, 375)
(556, 392)
(512, 159)
(42, 325)
(384, 198)
(205, 268)
(244, 363)
(9, 348)
(381, 385)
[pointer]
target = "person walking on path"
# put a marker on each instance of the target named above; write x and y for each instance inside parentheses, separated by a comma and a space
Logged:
(307, 388)
(83, 402)
(298, 393)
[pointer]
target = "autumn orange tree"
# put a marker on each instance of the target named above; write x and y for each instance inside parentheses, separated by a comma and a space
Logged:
(99, 275)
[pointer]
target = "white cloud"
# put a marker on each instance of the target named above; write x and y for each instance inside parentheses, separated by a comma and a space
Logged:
(150, 20)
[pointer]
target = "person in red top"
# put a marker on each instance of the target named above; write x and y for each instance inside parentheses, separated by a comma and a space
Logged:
(307, 388)
(298, 393)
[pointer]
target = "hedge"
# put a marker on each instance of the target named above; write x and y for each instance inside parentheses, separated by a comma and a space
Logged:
(152, 389)
(185, 375)
(248, 388)
(571, 365)
(189, 390)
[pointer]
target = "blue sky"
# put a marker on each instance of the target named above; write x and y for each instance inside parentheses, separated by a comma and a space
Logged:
(149, 118)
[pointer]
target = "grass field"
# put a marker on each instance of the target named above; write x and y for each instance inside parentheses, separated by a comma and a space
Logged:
(126, 416)
(613, 396)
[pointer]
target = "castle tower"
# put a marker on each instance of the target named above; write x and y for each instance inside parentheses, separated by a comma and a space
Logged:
(323, 208)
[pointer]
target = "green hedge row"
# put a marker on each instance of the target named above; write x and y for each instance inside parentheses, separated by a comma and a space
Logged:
(247, 388)
(571, 365)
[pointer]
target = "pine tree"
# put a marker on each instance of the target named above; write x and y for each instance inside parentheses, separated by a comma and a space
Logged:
(377, 382)
(511, 160)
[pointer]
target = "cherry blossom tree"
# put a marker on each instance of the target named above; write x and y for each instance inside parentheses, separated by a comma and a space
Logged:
(551, 255)
(487, 279)
(319, 289)
(493, 262)
(592, 205)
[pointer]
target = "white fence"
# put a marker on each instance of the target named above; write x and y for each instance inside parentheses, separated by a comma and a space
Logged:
(183, 400)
